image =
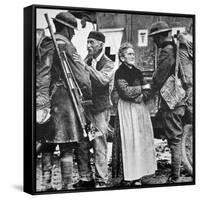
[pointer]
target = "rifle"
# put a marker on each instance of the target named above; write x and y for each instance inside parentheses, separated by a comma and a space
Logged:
(70, 81)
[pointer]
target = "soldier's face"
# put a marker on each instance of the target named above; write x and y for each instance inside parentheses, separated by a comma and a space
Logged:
(94, 47)
(71, 33)
(157, 40)
(129, 57)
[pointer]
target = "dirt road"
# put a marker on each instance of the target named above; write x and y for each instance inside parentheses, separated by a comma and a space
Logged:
(160, 177)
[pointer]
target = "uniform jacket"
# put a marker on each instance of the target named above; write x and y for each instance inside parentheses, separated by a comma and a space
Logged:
(165, 68)
(101, 82)
(64, 125)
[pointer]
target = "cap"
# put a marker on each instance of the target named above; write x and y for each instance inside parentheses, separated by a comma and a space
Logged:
(97, 36)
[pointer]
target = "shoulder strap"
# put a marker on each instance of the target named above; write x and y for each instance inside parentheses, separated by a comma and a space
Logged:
(179, 65)
(177, 58)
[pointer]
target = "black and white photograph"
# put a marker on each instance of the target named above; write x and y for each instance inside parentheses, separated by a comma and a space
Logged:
(111, 96)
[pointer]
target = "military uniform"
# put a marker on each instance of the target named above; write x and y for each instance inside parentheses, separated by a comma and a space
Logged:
(63, 127)
(172, 119)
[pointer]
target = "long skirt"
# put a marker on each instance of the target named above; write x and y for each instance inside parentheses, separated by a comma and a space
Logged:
(136, 142)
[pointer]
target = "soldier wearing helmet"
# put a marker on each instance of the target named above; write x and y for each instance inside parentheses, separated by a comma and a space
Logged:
(172, 118)
(63, 128)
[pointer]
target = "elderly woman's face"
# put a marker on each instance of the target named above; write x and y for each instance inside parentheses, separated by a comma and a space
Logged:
(129, 57)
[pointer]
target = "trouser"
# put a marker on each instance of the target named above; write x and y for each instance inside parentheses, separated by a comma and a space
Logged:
(66, 161)
(99, 144)
(173, 128)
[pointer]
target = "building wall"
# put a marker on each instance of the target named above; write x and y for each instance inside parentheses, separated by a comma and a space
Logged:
(134, 22)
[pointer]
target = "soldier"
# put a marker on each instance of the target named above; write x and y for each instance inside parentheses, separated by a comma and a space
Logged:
(64, 129)
(172, 118)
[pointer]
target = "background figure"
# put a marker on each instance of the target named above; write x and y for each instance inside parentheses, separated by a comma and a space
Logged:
(63, 128)
(133, 145)
(172, 119)
(101, 70)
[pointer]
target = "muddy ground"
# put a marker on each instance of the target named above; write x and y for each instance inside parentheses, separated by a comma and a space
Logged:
(160, 177)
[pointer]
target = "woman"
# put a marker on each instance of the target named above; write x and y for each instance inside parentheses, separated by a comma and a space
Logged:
(133, 147)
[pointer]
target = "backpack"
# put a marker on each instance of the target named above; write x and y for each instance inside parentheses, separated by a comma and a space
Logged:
(186, 69)
(42, 79)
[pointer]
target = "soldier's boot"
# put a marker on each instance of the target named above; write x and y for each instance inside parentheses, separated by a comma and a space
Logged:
(47, 171)
(66, 170)
(176, 155)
